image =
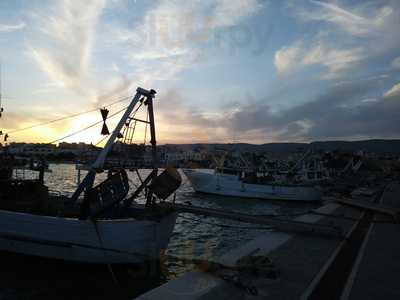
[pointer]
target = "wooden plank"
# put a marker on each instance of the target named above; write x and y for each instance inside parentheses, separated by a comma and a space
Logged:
(278, 224)
(378, 208)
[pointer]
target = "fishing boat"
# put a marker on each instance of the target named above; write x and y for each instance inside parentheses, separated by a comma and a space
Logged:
(100, 223)
(247, 184)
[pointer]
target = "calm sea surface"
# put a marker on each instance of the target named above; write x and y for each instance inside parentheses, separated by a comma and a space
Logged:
(194, 237)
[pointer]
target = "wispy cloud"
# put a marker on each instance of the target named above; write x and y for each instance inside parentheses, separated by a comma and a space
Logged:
(336, 60)
(69, 33)
(292, 58)
(12, 27)
(352, 38)
(350, 21)
(394, 91)
(173, 33)
(396, 63)
(286, 58)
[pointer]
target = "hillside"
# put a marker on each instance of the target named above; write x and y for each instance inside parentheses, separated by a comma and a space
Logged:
(374, 146)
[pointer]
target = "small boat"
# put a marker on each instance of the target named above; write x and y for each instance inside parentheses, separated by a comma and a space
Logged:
(105, 226)
(239, 183)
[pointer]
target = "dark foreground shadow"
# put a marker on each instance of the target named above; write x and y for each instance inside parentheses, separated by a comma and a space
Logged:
(26, 277)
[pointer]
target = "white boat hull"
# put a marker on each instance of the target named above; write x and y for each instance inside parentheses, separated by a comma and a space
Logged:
(107, 242)
(205, 181)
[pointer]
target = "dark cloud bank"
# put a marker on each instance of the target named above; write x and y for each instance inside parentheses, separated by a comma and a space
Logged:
(343, 111)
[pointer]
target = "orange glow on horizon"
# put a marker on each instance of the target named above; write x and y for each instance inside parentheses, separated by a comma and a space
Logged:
(166, 132)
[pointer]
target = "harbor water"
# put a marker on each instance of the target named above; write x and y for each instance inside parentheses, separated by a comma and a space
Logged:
(194, 237)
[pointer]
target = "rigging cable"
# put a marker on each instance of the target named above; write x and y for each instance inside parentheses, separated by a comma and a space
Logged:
(109, 267)
(105, 137)
(86, 128)
(69, 116)
(314, 212)
(101, 140)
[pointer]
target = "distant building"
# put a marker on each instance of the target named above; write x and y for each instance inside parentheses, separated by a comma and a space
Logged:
(50, 150)
(75, 148)
(175, 157)
(31, 149)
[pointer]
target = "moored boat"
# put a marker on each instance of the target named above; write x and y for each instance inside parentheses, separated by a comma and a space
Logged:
(108, 241)
(99, 223)
(235, 183)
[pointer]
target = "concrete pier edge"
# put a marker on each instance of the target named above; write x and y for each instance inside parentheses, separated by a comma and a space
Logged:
(196, 284)
(350, 280)
(303, 260)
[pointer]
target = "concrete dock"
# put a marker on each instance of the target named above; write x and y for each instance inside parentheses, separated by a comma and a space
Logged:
(364, 265)
(377, 269)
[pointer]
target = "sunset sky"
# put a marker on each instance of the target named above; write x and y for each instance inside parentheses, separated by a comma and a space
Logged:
(225, 70)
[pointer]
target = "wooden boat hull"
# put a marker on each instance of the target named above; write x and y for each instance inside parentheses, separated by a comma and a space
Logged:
(205, 181)
(106, 242)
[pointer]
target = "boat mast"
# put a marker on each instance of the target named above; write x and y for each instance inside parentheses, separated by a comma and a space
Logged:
(153, 142)
(103, 154)
(88, 181)
(1, 89)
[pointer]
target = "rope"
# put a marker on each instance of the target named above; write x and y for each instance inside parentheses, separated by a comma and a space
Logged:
(101, 140)
(226, 226)
(67, 117)
(105, 137)
(109, 267)
(353, 219)
(86, 128)
(313, 212)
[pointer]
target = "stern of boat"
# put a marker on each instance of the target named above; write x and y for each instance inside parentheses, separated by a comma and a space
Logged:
(201, 180)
